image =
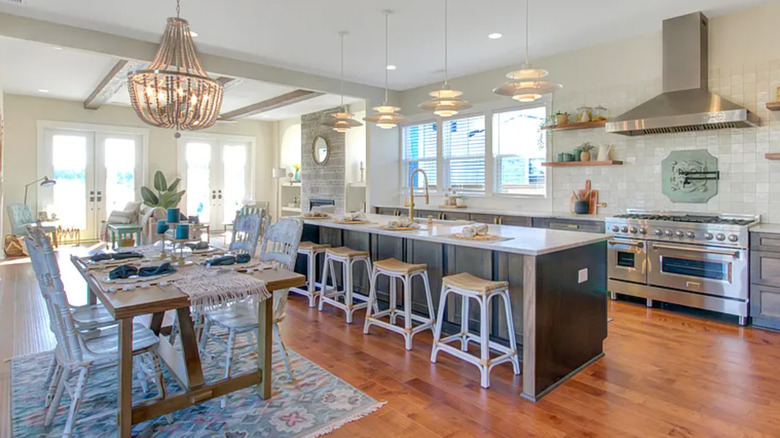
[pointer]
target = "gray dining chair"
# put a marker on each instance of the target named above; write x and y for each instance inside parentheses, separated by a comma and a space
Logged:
(76, 354)
(280, 245)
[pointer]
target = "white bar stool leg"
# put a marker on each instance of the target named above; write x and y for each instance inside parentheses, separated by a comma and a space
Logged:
(393, 299)
(484, 338)
(464, 323)
(407, 285)
(510, 324)
(439, 319)
(324, 284)
(348, 288)
(429, 299)
(312, 273)
(371, 301)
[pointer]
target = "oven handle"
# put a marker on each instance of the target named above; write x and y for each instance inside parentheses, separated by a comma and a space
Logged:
(734, 254)
(636, 244)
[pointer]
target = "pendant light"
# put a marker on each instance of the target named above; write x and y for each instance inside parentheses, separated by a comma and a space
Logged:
(386, 116)
(525, 85)
(341, 121)
(175, 91)
(445, 102)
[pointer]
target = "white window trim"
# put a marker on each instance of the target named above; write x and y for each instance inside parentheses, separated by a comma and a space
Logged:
(404, 174)
(487, 110)
(444, 162)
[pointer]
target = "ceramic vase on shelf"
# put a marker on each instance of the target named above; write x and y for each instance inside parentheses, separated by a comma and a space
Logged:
(561, 119)
(584, 156)
(604, 152)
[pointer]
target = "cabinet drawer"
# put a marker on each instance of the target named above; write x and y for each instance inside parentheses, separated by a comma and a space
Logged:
(425, 213)
(569, 224)
(386, 211)
(485, 218)
(518, 221)
(454, 216)
(765, 306)
(765, 242)
(765, 268)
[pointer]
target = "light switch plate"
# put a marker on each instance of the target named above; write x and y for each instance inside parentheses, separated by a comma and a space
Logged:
(582, 275)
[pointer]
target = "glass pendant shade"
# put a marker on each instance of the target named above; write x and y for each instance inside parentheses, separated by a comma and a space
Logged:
(175, 91)
(526, 85)
(385, 116)
(445, 102)
(340, 121)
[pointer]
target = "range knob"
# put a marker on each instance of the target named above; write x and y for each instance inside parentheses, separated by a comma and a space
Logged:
(615, 228)
(679, 234)
(668, 233)
(624, 229)
(690, 234)
(658, 232)
(642, 231)
(633, 230)
(733, 238)
(720, 237)
(708, 236)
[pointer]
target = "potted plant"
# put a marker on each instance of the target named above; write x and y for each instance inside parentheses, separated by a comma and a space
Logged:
(166, 196)
(459, 199)
(585, 149)
(561, 118)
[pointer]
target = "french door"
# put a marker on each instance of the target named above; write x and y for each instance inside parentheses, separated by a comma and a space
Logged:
(96, 172)
(217, 174)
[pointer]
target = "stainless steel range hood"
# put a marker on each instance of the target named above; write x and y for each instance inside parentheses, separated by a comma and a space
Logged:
(686, 104)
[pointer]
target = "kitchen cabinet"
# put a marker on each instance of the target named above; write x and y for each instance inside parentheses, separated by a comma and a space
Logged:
(765, 280)
(425, 213)
(455, 216)
(517, 221)
(485, 218)
(388, 211)
(590, 226)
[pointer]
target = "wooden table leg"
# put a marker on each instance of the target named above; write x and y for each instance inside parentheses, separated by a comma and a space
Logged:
(156, 324)
(265, 320)
(125, 372)
(91, 297)
(189, 345)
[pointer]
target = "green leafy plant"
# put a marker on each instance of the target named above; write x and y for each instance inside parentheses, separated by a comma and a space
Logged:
(166, 196)
(586, 147)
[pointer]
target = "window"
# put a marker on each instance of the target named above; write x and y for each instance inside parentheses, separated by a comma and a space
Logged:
(419, 144)
(463, 146)
(519, 148)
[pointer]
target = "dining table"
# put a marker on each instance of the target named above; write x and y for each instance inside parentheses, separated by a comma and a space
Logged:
(184, 363)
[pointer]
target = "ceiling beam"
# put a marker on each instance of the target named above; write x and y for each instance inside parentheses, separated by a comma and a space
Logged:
(271, 104)
(16, 26)
(108, 86)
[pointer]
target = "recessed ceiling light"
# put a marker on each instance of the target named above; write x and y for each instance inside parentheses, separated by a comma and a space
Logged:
(495, 36)
(193, 34)
(43, 90)
(391, 67)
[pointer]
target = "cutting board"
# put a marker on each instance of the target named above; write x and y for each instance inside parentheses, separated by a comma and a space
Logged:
(592, 201)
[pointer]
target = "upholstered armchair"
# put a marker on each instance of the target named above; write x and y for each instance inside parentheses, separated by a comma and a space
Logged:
(139, 214)
(20, 216)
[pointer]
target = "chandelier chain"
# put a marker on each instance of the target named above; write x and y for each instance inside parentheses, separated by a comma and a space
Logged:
(445, 43)
(527, 31)
(341, 34)
(178, 8)
(387, 51)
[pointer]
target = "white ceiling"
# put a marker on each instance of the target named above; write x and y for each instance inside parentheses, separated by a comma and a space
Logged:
(302, 34)
(28, 67)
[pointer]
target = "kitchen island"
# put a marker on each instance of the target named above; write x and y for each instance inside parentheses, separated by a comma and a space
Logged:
(557, 284)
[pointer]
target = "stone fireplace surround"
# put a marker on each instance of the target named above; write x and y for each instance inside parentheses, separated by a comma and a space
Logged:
(326, 182)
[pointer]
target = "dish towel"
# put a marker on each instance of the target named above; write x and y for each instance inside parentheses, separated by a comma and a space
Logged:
(126, 271)
(115, 256)
(227, 260)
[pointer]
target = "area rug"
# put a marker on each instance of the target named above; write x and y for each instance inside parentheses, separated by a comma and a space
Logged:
(315, 403)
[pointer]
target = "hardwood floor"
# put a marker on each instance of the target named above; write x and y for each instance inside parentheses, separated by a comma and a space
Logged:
(664, 374)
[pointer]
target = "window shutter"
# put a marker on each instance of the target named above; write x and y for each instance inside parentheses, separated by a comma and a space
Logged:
(464, 151)
(419, 149)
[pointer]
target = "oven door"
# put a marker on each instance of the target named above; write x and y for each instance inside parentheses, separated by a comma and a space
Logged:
(703, 269)
(627, 260)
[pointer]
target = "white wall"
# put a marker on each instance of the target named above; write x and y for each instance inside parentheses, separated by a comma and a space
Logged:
(744, 68)
(20, 154)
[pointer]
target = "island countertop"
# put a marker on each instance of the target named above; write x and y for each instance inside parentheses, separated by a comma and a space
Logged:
(522, 240)
(504, 212)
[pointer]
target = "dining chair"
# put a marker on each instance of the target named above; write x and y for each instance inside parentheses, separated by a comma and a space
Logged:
(247, 230)
(280, 246)
(76, 354)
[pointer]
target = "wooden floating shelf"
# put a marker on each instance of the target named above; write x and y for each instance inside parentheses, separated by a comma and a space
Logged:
(773, 106)
(573, 126)
(583, 163)
(772, 156)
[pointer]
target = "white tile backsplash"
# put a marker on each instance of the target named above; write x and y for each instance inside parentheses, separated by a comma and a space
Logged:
(748, 184)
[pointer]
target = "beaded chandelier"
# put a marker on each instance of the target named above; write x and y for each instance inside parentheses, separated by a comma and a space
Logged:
(174, 91)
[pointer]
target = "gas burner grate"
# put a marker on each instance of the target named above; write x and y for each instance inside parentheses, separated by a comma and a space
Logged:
(686, 218)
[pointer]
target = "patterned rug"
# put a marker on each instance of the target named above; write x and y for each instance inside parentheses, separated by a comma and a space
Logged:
(316, 403)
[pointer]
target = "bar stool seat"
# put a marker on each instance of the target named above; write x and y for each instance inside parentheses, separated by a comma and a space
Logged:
(468, 282)
(343, 299)
(310, 250)
(343, 251)
(396, 269)
(483, 291)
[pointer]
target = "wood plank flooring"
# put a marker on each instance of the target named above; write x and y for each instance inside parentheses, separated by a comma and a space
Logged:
(664, 374)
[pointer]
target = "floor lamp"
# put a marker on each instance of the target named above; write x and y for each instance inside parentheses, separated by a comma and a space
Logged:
(46, 181)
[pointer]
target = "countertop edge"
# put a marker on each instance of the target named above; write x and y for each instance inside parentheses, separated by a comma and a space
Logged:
(553, 215)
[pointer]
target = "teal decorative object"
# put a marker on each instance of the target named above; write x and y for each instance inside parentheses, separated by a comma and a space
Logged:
(679, 188)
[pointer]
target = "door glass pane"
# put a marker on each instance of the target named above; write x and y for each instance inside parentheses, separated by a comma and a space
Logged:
(198, 157)
(120, 173)
(69, 164)
(234, 171)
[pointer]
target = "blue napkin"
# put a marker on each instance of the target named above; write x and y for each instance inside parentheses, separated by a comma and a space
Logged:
(115, 256)
(126, 271)
(197, 246)
(227, 260)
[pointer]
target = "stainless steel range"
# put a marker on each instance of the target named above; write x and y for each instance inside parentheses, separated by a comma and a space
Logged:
(693, 259)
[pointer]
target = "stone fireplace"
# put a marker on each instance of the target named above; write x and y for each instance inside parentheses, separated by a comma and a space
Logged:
(326, 182)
